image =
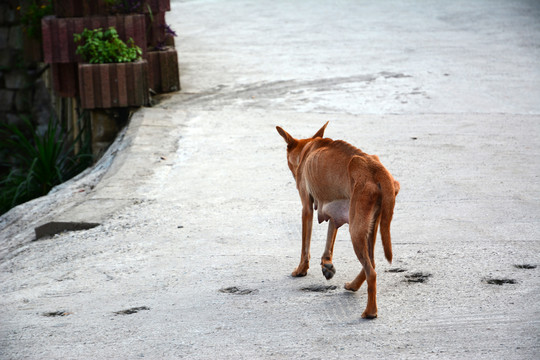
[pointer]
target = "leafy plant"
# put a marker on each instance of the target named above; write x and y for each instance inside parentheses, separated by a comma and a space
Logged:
(39, 162)
(32, 14)
(100, 47)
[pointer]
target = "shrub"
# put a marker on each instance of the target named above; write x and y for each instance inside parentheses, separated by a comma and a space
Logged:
(100, 47)
(31, 16)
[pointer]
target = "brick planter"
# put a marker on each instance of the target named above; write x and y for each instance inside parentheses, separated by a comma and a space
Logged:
(78, 8)
(163, 74)
(113, 85)
(81, 8)
(158, 6)
(156, 34)
(58, 44)
(65, 79)
(147, 6)
(156, 30)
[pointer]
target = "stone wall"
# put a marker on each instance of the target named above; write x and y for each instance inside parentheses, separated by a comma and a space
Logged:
(23, 90)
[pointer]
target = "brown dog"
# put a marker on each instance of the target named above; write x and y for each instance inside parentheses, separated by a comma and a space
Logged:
(344, 185)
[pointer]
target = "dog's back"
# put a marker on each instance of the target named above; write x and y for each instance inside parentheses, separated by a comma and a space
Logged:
(324, 168)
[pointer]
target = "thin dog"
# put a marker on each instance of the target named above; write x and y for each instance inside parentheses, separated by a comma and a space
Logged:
(344, 185)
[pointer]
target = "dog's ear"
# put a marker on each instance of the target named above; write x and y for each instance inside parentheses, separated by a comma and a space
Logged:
(291, 142)
(320, 133)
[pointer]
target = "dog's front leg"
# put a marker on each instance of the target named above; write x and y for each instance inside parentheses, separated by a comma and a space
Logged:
(307, 224)
(328, 268)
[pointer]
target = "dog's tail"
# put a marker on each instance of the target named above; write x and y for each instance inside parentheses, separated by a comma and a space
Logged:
(389, 188)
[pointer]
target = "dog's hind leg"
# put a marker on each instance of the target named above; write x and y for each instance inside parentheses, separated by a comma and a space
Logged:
(328, 268)
(307, 224)
(363, 217)
(372, 236)
(359, 280)
(371, 276)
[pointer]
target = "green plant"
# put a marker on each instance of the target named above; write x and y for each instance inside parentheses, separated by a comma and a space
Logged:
(38, 162)
(31, 15)
(100, 47)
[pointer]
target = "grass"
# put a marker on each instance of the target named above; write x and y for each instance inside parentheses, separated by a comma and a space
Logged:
(38, 162)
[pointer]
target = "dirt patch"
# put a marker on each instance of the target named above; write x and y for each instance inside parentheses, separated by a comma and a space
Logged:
(525, 266)
(57, 313)
(319, 288)
(499, 281)
(417, 277)
(132, 310)
(396, 270)
(237, 291)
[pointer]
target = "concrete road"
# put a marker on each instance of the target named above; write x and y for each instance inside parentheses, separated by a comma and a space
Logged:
(199, 219)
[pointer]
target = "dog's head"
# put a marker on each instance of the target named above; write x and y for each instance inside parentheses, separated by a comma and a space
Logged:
(295, 146)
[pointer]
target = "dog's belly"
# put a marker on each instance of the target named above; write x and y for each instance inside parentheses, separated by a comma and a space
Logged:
(338, 210)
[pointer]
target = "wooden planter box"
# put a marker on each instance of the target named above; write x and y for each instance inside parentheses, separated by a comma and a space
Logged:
(58, 44)
(65, 79)
(157, 6)
(81, 8)
(156, 34)
(78, 8)
(163, 74)
(156, 30)
(113, 85)
(153, 6)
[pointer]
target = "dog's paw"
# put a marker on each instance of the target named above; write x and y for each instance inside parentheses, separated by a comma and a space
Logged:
(349, 286)
(328, 270)
(369, 316)
(299, 273)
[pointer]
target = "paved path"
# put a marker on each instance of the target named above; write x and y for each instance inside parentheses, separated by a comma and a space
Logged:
(199, 220)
